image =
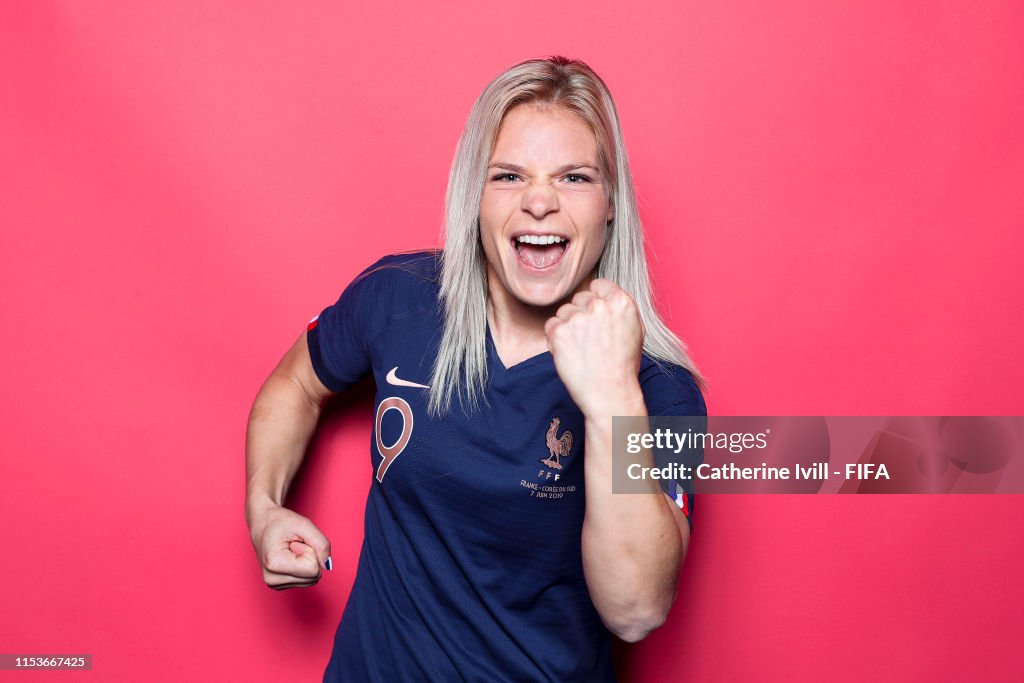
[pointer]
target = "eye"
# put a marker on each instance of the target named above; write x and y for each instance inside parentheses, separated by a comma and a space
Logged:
(505, 177)
(577, 178)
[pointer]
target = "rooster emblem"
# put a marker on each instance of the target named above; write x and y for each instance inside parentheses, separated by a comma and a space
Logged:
(558, 446)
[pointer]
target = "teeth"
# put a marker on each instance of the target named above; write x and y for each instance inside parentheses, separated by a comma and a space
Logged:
(540, 239)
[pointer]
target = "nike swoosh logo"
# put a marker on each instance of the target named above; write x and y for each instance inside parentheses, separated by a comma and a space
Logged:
(392, 378)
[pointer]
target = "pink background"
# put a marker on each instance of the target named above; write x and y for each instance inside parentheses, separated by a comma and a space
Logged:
(833, 198)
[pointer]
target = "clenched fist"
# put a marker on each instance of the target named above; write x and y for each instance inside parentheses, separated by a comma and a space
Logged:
(596, 341)
(289, 547)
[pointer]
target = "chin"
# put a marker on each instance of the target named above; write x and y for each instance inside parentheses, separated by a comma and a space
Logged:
(544, 296)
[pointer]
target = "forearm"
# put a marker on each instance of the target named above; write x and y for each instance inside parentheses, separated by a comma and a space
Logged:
(631, 543)
(281, 423)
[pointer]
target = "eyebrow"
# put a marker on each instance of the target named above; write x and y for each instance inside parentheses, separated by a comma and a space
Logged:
(563, 169)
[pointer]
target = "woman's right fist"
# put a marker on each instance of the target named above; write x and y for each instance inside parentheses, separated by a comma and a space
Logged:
(289, 547)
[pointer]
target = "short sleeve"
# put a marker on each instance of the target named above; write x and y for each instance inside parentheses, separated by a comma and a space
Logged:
(339, 337)
(671, 391)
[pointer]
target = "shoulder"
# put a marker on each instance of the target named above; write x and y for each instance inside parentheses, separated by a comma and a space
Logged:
(407, 267)
(669, 389)
(392, 284)
(402, 280)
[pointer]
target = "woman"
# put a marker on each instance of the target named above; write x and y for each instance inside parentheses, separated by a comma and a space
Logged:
(490, 552)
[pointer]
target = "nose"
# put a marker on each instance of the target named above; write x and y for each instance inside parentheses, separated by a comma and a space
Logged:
(540, 199)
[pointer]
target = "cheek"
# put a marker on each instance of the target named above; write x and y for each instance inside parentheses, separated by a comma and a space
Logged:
(596, 239)
(594, 250)
(594, 221)
(490, 239)
(491, 217)
(490, 232)
(591, 206)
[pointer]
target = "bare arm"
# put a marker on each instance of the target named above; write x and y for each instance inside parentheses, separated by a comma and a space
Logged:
(282, 421)
(633, 545)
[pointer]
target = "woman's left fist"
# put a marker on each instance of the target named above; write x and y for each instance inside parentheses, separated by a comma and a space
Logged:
(596, 341)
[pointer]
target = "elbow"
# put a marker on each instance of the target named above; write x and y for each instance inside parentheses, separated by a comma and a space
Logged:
(639, 620)
(639, 625)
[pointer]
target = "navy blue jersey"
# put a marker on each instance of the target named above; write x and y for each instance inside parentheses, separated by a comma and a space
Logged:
(471, 567)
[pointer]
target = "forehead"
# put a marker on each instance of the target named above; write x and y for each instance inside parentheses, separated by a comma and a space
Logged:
(544, 132)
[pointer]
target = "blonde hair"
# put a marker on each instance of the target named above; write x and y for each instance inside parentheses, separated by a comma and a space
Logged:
(460, 368)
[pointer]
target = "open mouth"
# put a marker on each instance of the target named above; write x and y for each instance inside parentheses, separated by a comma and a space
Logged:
(540, 251)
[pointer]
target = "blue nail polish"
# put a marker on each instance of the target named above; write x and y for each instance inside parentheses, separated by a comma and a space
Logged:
(329, 564)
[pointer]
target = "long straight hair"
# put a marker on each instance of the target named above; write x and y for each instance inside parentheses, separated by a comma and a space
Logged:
(460, 368)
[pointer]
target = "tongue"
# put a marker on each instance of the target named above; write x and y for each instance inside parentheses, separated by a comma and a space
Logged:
(540, 255)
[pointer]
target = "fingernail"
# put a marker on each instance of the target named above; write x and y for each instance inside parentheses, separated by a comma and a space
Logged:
(329, 564)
